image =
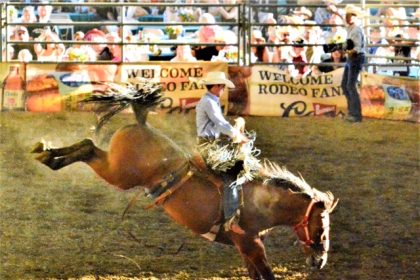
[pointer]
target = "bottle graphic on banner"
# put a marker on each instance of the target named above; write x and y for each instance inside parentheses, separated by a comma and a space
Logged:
(13, 90)
(397, 102)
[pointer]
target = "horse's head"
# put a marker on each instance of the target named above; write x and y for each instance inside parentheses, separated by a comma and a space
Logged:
(314, 231)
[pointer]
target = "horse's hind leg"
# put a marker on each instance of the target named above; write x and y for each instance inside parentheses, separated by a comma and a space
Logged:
(60, 157)
(252, 251)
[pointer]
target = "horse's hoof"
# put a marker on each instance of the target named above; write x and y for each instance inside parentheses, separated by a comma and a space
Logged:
(44, 157)
(38, 148)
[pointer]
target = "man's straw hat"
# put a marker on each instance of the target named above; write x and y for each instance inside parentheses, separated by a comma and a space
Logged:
(352, 9)
(217, 78)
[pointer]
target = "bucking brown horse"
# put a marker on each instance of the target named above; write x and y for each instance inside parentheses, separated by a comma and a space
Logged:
(141, 156)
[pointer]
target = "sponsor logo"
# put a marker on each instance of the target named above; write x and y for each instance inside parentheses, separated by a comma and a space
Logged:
(323, 109)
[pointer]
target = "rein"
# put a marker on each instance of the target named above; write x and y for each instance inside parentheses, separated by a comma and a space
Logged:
(308, 242)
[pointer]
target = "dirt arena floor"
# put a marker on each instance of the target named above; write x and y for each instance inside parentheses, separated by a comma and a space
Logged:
(67, 224)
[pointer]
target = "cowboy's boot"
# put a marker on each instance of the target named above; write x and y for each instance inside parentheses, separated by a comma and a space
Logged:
(231, 208)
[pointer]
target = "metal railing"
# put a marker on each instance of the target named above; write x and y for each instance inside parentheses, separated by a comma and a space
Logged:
(121, 23)
(244, 24)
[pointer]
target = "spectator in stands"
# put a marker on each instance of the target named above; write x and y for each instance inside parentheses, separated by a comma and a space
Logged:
(269, 30)
(171, 13)
(113, 50)
(312, 35)
(259, 53)
(80, 52)
(337, 56)
(21, 34)
(44, 13)
(390, 11)
(303, 12)
(382, 55)
(282, 54)
(80, 9)
(207, 34)
(183, 54)
(108, 13)
(190, 13)
(227, 13)
(377, 35)
(337, 31)
(8, 53)
(401, 49)
(229, 52)
(25, 56)
(299, 58)
(97, 36)
(134, 52)
(414, 34)
(12, 14)
(54, 49)
(132, 15)
(323, 14)
(212, 9)
(134, 12)
(391, 28)
(28, 16)
(296, 29)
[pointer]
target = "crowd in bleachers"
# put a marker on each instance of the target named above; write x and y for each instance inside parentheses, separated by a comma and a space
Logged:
(296, 33)
(395, 28)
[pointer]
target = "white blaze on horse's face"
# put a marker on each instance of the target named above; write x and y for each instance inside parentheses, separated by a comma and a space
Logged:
(319, 251)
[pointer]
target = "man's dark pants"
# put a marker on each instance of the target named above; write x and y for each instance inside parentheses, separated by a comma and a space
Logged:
(349, 84)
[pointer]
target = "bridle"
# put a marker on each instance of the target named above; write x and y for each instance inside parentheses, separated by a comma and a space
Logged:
(307, 241)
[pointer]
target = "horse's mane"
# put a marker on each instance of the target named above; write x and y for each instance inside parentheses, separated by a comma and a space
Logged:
(276, 175)
(118, 97)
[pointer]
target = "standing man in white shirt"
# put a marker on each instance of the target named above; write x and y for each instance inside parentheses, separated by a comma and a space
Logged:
(355, 48)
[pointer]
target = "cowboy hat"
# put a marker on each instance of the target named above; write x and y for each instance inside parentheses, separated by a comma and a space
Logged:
(303, 11)
(217, 78)
(352, 9)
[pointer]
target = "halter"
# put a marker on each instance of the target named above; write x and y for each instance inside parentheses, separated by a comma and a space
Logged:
(308, 242)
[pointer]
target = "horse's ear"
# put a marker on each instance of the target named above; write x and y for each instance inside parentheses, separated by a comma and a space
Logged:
(334, 205)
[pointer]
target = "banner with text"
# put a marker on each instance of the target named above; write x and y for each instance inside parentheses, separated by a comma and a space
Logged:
(57, 87)
(275, 93)
(181, 81)
(259, 90)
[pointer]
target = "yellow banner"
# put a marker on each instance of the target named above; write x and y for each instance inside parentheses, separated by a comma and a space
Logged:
(275, 93)
(56, 87)
(180, 81)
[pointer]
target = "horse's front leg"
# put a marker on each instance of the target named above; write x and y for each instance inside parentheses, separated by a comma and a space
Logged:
(252, 270)
(252, 251)
(61, 157)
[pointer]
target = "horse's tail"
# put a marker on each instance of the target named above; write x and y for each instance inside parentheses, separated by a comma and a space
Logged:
(117, 97)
